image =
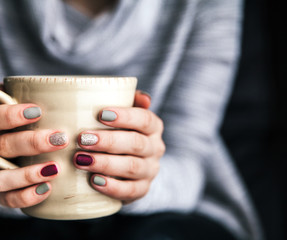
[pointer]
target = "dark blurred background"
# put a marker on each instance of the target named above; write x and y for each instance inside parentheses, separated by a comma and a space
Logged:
(255, 124)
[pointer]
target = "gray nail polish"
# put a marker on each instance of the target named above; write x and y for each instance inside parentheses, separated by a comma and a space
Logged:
(32, 112)
(108, 116)
(100, 181)
(145, 93)
(88, 139)
(43, 188)
(58, 139)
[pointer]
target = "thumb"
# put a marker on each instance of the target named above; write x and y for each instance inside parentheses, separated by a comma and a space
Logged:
(142, 99)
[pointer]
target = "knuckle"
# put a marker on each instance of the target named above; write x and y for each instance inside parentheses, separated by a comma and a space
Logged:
(104, 165)
(137, 190)
(8, 200)
(146, 189)
(147, 120)
(161, 148)
(34, 142)
(9, 118)
(115, 189)
(132, 192)
(29, 178)
(153, 170)
(134, 167)
(161, 125)
(129, 116)
(110, 141)
(17, 199)
(23, 199)
(138, 143)
(4, 200)
(4, 145)
(3, 186)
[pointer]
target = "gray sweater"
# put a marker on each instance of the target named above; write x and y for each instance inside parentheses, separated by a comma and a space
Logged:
(184, 53)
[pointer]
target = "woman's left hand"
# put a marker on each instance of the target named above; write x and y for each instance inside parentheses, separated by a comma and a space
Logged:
(125, 161)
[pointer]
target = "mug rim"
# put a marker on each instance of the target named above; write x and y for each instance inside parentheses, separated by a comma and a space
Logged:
(72, 79)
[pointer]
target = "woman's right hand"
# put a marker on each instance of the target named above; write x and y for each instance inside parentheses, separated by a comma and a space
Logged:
(27, 186)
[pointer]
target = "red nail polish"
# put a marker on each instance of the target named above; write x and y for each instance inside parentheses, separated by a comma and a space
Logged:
(84, 160)
(49, 170)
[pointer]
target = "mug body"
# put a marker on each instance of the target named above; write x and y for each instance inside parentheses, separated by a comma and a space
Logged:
(70, 104)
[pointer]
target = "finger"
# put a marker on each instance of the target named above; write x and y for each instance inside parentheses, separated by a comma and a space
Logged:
(138, 119)
(124, 190)
(128, 167)
(30, 143)
(27, 176)
(142, 99)
(12, 116)
(117, 142)
(26, 197)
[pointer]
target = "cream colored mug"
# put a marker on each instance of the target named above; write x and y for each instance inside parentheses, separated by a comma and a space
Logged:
(70, 104)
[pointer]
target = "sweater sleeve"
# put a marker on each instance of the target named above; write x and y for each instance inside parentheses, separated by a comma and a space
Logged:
(11, 212)
(194, 107)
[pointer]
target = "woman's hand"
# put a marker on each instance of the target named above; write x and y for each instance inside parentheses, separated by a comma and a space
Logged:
(27, 186)
(124, 162)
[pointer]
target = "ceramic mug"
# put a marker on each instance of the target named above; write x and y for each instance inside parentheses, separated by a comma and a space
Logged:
(70, 104)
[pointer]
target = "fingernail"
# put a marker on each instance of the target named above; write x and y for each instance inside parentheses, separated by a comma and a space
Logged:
(84, 160)
(108, 116)
(32, 112)
(49, 170)
(58, 139)
(99, 181)
(88, 139)
(145, 93)
(43, 188)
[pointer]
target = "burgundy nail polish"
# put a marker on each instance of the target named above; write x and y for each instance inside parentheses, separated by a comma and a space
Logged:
(49, 170)
(84, 160)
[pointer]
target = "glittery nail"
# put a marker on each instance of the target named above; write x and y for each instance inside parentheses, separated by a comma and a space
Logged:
(32, 112)
(88, 139)
(58, 139)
